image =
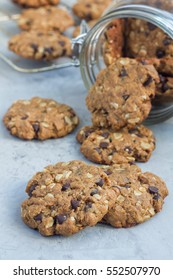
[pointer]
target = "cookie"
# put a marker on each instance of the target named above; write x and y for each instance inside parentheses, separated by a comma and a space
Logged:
(40, 118)
(36, 3)
(40, 45)
(146, 40)
(139, 195)
(67, 197)
(121, 95)
(90, 9)
(76, 31)
(164, 90)
(45, 18)
(114, 41)
(108, 147)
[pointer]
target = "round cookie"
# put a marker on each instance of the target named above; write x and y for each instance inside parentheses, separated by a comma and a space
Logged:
(121, 95)
(40, 118)
(139, 195)
(114, 41)
(67, 197)
(146, 40)
(108, 147)
(45, 18)
(90, 9)
(36, 3)
(40, 45)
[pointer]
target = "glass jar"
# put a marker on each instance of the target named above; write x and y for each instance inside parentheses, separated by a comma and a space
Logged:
(89, 45)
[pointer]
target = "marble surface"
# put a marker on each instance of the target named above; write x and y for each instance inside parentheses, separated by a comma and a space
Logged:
(19, 160)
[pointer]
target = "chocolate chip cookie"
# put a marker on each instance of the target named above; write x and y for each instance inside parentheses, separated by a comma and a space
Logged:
(114, 41)
(36, 3)
(108, 147)
(40, 118)
(139, 195)
(67, 197)
(147, 40)
(121, 95)
(90, 9)
(45, 18)
(40, 45)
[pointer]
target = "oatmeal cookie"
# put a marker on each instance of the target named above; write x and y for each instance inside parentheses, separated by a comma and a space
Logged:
(108, 147)
(36, 3)
(67, 197)
(146, 40)
(121, 95)
(45, 18)
(40, 45)
(114, 41)
(90, 9)
(40, 118)
(140, 195)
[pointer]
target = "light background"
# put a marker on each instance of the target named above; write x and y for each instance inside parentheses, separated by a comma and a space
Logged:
(19, 160)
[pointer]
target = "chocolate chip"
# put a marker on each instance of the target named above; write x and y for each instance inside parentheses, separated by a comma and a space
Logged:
(88, 206)
(128, 149)
(65, 187)
(104, 145)
(105, 134)
(61, 43)
(108, 172)
(34, 47)
(165, 87)
(123, 73)
(160, 53)
(38, 217)
(74, 204)
(167, 41)
(48, 50)
(156, 196)
(148, 81)
(125, 97)
(126, 187)
(94, 192)
(151, 26)
(153, 190)
(100, 182)
(32, 188)
(24, 118)
(36, 127)
(60, 219)
(162, 79)
(88, 132)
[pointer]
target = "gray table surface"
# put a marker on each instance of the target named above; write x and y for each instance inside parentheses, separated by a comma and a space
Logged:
(19, 160)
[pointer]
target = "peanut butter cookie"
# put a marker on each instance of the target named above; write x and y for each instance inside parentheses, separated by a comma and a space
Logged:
(67, 197)
(45, 18)
(90, 9)
(40, 118)
(140, 195)
(108, 147)
(40, 45)
(121, 95)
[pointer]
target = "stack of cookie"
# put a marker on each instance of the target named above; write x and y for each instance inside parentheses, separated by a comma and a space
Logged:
(120, 101)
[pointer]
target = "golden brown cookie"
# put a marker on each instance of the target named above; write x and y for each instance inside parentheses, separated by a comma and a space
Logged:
(67, 197)
(121, 95)
(106, 146)
(146, 40)
(139, 195)
(36, 3)
(114, 41)
(40, 118)
(40, 45)
(90, 9)
(45, 18)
